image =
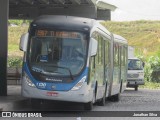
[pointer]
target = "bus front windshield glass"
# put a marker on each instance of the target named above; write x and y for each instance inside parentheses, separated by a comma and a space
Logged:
(57, 53)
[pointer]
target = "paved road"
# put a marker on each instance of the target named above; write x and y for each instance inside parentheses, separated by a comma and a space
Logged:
(141, 102)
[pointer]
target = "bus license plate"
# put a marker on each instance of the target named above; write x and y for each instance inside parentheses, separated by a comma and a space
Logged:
(53, 94)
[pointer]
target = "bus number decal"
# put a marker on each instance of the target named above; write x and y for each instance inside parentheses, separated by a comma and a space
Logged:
(41, 85)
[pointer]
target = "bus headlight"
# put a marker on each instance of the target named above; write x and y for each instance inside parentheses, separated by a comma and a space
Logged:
(79, 84)
(28, 81)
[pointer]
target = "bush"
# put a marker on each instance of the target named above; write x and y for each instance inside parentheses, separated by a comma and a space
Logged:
(15, 62)
(19, 22)
(152, 69)
(147, 70)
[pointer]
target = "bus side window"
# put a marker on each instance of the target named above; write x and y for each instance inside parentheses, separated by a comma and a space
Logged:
(92, 63)
(116, 55)
(107, 53)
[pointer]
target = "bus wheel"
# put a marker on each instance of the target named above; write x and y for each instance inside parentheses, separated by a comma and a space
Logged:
(35, 103)
(88, 106)
(102, 102)
(115, 98)
(121, 86)
(136, 88)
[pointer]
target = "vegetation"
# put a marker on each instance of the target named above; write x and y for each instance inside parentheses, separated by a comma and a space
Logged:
(143, 35)
(14, 54)
(151, 85)
(152, 69)
(15, 62)
(14, 39)
(19, 22)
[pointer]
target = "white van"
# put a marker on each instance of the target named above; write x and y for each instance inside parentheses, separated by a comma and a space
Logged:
(135, 75)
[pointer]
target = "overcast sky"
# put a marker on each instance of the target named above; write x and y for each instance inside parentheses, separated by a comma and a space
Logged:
(128, 10)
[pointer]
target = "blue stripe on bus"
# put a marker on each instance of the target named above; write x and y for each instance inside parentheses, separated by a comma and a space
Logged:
(57, 86)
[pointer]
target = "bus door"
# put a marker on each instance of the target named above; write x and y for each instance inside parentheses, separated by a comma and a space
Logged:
(99, 67)
(122, 68)
(116, 70)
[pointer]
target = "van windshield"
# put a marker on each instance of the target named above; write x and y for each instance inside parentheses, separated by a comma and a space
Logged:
(134, 64)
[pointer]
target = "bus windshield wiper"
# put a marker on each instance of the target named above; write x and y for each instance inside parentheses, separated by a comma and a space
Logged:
(62, 68)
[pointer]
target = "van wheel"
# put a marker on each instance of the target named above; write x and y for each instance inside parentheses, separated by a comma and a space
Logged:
(136, 88)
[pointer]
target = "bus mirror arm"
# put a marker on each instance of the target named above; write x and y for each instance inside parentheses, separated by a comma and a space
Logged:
(94, 44)
(23, 42)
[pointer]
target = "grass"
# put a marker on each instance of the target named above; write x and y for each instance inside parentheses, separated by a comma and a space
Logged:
(14, 35)
(143, 35)
(150, 85)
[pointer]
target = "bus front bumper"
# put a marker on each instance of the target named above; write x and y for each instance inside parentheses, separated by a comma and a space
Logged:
(136, 82)
(83, 95)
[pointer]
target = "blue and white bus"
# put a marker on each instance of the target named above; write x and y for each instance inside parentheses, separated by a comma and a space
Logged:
(73, 59)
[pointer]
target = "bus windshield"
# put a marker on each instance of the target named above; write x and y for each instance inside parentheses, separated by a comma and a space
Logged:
(134, 64)
(57, 53)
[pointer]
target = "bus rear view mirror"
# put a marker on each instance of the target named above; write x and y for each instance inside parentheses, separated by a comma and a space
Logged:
(23, 42)
(94, 44)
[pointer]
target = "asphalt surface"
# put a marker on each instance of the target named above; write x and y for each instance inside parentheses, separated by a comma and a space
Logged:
(142, 102)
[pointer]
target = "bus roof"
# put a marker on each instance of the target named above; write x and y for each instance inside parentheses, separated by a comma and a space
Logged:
(61, 22)
(119, 38)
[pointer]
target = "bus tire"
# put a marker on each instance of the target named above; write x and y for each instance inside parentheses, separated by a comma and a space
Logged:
(88, 106)
(35, 103)
(121, 86)
(102, 102)
(136, 88)
(115, 98)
